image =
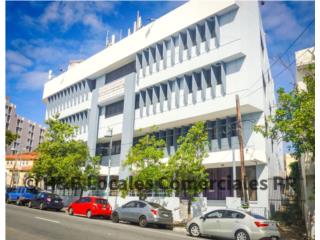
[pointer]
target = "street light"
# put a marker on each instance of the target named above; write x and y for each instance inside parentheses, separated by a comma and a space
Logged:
(109, 162)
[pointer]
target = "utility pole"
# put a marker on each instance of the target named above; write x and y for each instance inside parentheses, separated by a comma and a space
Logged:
(242, 166)
(109, 164)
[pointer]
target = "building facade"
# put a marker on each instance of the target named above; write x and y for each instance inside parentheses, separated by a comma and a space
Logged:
(30, 133)
(184, 67)
(304, 58)
(18, 168)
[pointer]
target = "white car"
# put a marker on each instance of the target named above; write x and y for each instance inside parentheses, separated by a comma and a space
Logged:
(233, 224)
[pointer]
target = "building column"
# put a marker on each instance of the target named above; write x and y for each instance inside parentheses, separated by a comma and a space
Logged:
(128, 121)
(93, 116)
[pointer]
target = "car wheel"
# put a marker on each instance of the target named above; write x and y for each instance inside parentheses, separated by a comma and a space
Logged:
(242, 235)
(70, 211)
(143, 221)
(29, 204)
(115, 217)
(41, 206)
(89, 214)
(194, 230)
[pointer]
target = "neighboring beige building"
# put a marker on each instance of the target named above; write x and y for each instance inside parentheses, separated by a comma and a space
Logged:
(288, 159)
(30, 134)
(304, 58)
(18, 168)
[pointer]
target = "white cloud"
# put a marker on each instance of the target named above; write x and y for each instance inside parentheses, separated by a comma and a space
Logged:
(33, 80)
(14, 57)
(70, 13)
(280, 20)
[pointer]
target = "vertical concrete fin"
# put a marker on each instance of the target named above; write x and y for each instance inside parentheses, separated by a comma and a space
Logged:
(217, 31)
(223, 79)
(213, 80)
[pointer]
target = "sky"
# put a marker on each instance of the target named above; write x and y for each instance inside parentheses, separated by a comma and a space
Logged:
(46, 35)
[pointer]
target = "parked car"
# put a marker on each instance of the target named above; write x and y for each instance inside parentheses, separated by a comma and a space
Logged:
(46, 200)
(8, 190)
(143, 212)
(233, 224)
(22, 195)
(90, 207)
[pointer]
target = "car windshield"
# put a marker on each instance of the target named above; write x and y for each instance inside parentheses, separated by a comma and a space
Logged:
(155, 205)
(101, 201)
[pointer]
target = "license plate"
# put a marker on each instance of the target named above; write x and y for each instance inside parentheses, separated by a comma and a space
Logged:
(165, 215)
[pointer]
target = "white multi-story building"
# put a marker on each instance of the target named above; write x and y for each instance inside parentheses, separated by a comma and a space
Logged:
(184, 67)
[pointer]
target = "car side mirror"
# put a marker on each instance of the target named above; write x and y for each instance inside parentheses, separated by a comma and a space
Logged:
(203, 218)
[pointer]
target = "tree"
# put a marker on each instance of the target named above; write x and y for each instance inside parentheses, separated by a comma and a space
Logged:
(185, 166)
(144, 161)
(62, 160)
(10, 137)
(294, 119)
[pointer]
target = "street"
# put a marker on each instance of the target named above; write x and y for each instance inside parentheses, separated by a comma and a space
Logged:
(24, 223)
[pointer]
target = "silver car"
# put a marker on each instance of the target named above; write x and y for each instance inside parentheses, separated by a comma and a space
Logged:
(233, 224)
(144, 213)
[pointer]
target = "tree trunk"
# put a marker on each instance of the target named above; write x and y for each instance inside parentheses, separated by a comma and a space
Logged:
(189, 207)
(81, 192)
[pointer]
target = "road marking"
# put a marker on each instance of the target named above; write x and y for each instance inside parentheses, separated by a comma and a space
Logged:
(49, 220)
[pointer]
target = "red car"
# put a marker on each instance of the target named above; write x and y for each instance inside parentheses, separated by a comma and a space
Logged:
(90, 207)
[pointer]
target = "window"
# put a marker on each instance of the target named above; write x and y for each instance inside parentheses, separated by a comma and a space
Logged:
(217, 73)
(189, 83)
(206, 73)
(215, 214)
(114, 109)
(184, 40)
(202, 32)
(223, 128)
(140, 204)
(120, 72)
(130, 204)
(165, 91)
(193, 36)
(160, 49)
(101, 201)
(251, 180)
(233, 214)
(137, 101)
(170, 138)
(233, 126)
(197, 77)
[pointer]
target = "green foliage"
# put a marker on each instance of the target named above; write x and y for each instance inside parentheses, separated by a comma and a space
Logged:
(10, 137)
(63, 160)
(294, 119)
(186, 163)
(184, 167)
(144, 162)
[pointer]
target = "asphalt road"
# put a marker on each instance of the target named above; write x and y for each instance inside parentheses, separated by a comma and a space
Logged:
(24, 223)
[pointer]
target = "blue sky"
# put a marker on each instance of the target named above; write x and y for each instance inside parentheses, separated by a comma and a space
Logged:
(46, 35)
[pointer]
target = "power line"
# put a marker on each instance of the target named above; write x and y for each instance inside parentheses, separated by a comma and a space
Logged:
(283, 54)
